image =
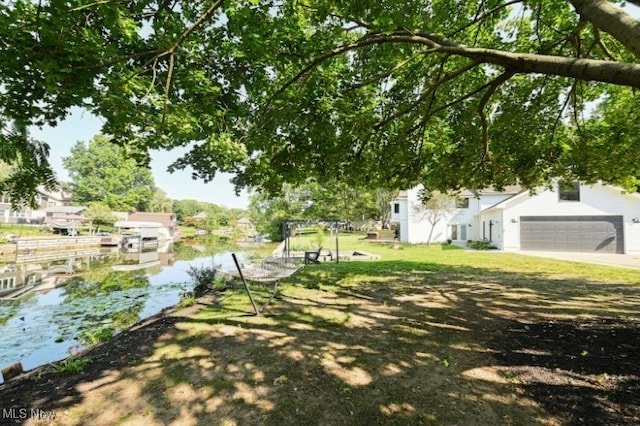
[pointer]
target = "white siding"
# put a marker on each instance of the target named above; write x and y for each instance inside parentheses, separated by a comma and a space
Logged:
(415, 227)
(487, 201)
(418, 226)
(400, 217)
(466, 218)
(491, 228)
(595, 200)
(481, 222)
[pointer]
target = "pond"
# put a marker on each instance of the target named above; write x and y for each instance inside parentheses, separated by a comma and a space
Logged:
(108, 296)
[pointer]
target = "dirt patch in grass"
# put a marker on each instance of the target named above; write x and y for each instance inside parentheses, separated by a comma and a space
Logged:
(588, 369)
(397, 342)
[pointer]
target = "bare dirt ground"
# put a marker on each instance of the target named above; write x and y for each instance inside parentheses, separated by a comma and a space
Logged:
(584, 371)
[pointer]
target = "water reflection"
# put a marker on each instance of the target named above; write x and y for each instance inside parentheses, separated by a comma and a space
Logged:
(61, 305)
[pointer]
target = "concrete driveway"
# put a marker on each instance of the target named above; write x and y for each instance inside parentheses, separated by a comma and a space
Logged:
(619, 260)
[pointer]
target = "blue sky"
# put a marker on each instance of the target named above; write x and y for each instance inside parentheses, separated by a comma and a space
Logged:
(83, 126)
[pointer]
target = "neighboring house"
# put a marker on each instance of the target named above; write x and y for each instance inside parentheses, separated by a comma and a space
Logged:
(574, 218)
(244, 223)
(44, 199)
(65, 217)
(167, 220)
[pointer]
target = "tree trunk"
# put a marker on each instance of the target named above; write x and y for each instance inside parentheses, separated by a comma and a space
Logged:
(619, 24)
(430, 235)
(434, 221)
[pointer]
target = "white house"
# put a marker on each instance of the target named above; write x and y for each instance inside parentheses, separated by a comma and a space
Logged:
(575, 217)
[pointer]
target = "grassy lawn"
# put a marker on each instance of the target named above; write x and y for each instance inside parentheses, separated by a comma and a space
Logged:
(426, 335)
(23, 230)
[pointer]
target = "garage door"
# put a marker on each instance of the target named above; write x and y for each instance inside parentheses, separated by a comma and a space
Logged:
(572, 233)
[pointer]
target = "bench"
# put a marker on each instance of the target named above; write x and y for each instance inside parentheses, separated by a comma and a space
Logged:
(312, 256)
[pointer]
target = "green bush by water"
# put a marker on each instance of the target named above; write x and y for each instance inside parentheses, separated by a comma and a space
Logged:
(72, 366)
(205, 278)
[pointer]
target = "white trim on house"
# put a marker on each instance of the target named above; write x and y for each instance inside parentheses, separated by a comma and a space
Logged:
(497, 216)
(459, 225)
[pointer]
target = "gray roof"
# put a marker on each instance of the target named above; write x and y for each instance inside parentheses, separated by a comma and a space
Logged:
(65, 209)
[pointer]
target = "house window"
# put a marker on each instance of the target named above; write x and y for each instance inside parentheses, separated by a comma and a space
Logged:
(396, 208)
(569, 191)
(454, 232)
(462, 203)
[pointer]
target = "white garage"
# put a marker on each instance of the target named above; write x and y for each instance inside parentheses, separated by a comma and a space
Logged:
(591, 218)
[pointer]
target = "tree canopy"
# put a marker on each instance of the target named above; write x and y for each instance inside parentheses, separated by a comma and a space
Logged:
(100, 173)
(450, 93)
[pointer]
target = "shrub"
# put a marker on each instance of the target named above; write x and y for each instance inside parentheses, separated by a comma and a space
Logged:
(204, 278)
(72, 366)
(188, 299)
(481, 245)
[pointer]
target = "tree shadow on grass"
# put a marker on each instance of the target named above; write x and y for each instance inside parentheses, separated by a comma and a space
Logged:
(370, 343)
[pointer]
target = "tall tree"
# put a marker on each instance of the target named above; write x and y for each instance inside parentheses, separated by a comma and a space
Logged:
(100, 172)
(384, 197)
(314, 201)
(447, 92)
(332, 199)
(160, 202)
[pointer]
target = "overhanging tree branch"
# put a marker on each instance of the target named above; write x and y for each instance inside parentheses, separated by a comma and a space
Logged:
(600, 43)
(367, 40)
(484, 16)
(619, 73)
(432, 88)
(493, 86)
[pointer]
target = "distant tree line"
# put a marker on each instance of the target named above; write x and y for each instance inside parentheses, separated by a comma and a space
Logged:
(314, 200)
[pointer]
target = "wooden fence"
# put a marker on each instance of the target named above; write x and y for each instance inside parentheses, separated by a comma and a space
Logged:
(53, 248)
